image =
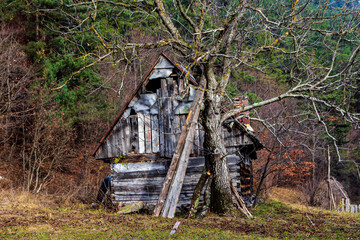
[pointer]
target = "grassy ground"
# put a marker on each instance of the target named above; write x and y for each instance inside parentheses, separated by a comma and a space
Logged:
(26, 216)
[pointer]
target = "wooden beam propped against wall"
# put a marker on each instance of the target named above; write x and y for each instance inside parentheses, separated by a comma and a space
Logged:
(170, 192)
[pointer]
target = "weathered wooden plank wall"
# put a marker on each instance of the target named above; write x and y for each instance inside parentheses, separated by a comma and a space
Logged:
(134, 136)
(143, 181)
(143, 133)
(155, 138)
(152, 123)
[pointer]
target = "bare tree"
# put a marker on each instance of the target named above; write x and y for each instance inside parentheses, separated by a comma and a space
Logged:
(32, 137)
(215, 37)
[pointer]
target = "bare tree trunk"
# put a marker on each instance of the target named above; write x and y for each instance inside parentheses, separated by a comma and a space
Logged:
(358, 171)
(215, 157)
(313, 155)
(331, 195)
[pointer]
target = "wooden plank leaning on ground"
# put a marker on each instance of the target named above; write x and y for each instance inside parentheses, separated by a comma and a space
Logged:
(182, 152)
(239, 202)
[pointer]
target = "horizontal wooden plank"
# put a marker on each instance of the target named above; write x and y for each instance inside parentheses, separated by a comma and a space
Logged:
(142, 166)
(149, 189)
(142, 181)
(158, 165)
(146, 198)
(185, 204)
(190, 172)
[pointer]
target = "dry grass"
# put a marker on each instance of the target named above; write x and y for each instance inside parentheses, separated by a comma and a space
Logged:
(15, 199)
(27, 216)
(288, 195)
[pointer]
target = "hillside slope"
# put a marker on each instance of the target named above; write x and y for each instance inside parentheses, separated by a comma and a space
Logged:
(26, 216)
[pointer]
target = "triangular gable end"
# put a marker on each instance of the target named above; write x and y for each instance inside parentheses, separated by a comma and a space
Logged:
(162, 68)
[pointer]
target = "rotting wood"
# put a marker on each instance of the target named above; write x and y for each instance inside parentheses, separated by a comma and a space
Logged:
(164, 118)
(196, 147)
(197, 193)
(141, 132)
(175, 228)
(134, 139)
(143, 181)
(184, 139)
(138, 103)
(201, 139)
(207, 195)
(239, 202)
(121, 138)
(172, 199)
(169, 116)
(153, 181)
(127, 136)
(161, 122)
(175, 188)
(147, 133)
(176, 129)
(172, 167)
(155, 133)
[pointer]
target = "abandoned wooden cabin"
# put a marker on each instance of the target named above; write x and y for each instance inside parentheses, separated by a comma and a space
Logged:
(142, 139)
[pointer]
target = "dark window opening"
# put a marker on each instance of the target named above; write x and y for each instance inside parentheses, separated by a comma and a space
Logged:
(153, 85)
(132, 112)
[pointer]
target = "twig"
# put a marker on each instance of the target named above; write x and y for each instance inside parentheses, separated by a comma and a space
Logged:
(177, 224)
(310, 220)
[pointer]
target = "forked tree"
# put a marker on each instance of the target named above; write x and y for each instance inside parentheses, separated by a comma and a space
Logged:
(314, 45)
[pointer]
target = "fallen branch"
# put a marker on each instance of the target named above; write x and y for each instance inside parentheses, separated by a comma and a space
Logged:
(177, 224)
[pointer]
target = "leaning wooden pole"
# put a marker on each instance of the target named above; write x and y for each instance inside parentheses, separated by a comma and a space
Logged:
(239, 202)
(178, 180)
(182, 153)
(197, 193)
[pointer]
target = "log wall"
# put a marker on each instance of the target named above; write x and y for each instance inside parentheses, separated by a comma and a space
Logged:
(143, 181)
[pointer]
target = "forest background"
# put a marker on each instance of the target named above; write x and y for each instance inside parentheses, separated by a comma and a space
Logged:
(59, 95)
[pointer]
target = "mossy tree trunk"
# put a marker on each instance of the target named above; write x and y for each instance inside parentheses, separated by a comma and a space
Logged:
(215, 158)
